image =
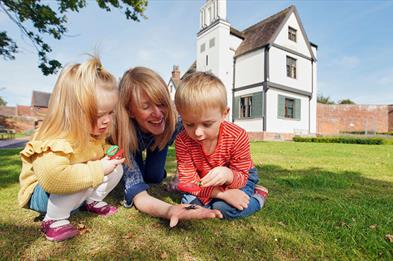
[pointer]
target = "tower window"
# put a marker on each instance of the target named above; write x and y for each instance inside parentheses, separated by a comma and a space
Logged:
(203, 47)
(212, 42)
(207, 60)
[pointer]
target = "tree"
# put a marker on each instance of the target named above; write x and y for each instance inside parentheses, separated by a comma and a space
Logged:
(2, 102)
(36, 19)
(346, 101)
(324, 100)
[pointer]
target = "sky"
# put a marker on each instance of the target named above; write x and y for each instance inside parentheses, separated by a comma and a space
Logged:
(354, 38)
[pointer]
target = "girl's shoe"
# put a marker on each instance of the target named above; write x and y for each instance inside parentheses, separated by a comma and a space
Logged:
(58, 230)
(100, 208)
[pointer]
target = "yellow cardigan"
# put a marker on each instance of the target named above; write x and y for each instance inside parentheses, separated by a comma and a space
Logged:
(58, 168)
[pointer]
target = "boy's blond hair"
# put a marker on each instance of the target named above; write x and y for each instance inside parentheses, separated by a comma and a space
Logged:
(200, 91)
(72, 110)
(133, 84)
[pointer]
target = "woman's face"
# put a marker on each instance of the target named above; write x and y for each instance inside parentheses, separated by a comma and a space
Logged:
(149, 116)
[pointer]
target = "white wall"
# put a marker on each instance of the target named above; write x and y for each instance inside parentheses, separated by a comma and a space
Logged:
(300, 44)
(274, 124)
(313, 102)
(250, 68)
(278, 70)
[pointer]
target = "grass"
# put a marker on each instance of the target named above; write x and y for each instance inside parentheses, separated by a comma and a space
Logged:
(327, 201)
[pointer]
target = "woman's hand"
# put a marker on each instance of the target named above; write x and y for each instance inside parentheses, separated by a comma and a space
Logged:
(109, 165)
(180, 212)
(217, 176)
(235, 197)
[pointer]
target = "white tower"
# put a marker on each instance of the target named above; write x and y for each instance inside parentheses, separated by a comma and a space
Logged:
(213, 44)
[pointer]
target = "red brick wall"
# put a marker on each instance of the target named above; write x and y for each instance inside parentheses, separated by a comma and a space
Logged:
(7, 111)
(255, 136)
(390, 118)
(333, 119)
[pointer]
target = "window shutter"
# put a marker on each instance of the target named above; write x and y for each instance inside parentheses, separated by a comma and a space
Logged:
(235, 111)
(281, 107)
(257, 106)
(297, 109)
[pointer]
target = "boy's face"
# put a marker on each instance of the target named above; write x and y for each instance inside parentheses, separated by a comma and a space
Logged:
(204, 128)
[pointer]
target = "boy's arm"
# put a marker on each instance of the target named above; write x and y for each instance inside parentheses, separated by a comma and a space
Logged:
(240, 162)
(186, 169)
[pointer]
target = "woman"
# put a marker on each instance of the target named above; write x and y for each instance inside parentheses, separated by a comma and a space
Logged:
(146, 124)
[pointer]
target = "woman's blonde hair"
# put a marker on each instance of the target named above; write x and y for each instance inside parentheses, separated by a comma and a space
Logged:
(72, 110)
(134, 83)
(200, 90)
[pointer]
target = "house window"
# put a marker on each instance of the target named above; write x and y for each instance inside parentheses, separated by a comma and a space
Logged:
(292, 33)
(245, 107)
(291, 67)
(207, 60)
(289, 108)
(211, 42)
(203, 47)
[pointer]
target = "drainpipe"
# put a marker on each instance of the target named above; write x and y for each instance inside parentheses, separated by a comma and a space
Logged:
(233, 89)
(265, 85)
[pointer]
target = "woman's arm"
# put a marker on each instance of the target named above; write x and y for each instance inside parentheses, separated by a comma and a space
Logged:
(158, 208)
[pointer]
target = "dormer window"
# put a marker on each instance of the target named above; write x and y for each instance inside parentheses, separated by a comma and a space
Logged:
(292, 34)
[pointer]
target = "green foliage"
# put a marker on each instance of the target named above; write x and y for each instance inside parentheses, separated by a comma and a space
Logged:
(324, 100)
(2, 101)
(338, 139)
(346, 101)
(37, 19)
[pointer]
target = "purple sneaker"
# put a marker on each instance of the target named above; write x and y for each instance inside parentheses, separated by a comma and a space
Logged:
(100, 208)
(60, 231)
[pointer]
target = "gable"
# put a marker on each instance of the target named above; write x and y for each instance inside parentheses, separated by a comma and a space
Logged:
(301, 45)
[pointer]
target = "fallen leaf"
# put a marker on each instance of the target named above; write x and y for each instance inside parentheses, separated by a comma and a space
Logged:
(389, 238)
(81, 226)
(374, 226)
(281, 224)
(164, 255)
(128, 236)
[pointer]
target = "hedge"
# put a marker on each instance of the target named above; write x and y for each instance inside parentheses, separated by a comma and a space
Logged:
(348, 140)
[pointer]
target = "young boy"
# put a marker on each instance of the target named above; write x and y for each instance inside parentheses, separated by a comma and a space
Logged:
(213, 153)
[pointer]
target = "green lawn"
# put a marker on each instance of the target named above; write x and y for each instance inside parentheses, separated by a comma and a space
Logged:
(327, 201)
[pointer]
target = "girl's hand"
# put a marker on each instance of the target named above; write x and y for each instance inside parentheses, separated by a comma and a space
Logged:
(217, 176)
(235, 197)
(109, 165)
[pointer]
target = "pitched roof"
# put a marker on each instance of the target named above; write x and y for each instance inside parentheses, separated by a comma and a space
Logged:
(176, 82)
(190, 70)
(40, 99)
(261, 34)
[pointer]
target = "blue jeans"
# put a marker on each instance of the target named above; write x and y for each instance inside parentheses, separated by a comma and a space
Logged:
(228, 211)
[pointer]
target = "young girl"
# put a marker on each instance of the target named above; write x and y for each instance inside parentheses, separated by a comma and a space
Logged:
(64, 166)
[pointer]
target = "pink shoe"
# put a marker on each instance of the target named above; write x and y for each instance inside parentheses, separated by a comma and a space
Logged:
(261, 191)
(58, 232)
(100, 208)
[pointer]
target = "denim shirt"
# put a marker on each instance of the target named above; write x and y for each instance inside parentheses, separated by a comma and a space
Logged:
(149, 170)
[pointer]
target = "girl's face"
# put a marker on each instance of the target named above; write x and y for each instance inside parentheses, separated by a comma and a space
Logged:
(106, 102)
(149, 116)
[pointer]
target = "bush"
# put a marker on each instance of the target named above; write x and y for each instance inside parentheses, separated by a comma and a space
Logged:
(386, 133)
(347, 140)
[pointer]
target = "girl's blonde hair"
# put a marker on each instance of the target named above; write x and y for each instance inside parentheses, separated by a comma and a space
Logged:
(134, 83)
(72, 110)
(200, 91)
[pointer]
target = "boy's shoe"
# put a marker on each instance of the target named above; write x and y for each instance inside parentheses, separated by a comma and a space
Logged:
(261, 191)
(58, 230)
(100, 208)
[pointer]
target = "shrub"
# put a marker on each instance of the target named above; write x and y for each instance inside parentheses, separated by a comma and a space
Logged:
(348, 140)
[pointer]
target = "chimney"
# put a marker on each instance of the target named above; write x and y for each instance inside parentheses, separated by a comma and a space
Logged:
(176, 73)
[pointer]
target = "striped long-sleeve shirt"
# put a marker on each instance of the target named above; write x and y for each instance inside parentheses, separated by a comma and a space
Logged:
(232, 151)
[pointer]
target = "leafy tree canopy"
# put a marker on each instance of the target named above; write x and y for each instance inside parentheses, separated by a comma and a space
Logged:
(2, 102)
(324, 100)
(35, 19)
(346, 101)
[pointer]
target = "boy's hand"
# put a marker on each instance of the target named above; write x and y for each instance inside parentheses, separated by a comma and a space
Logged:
(109, 165)
(217, 176)
(235, 197)
(180, 212)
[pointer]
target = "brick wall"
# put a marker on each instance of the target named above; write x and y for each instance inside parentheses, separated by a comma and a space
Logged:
(7, 111)
(333, 119)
